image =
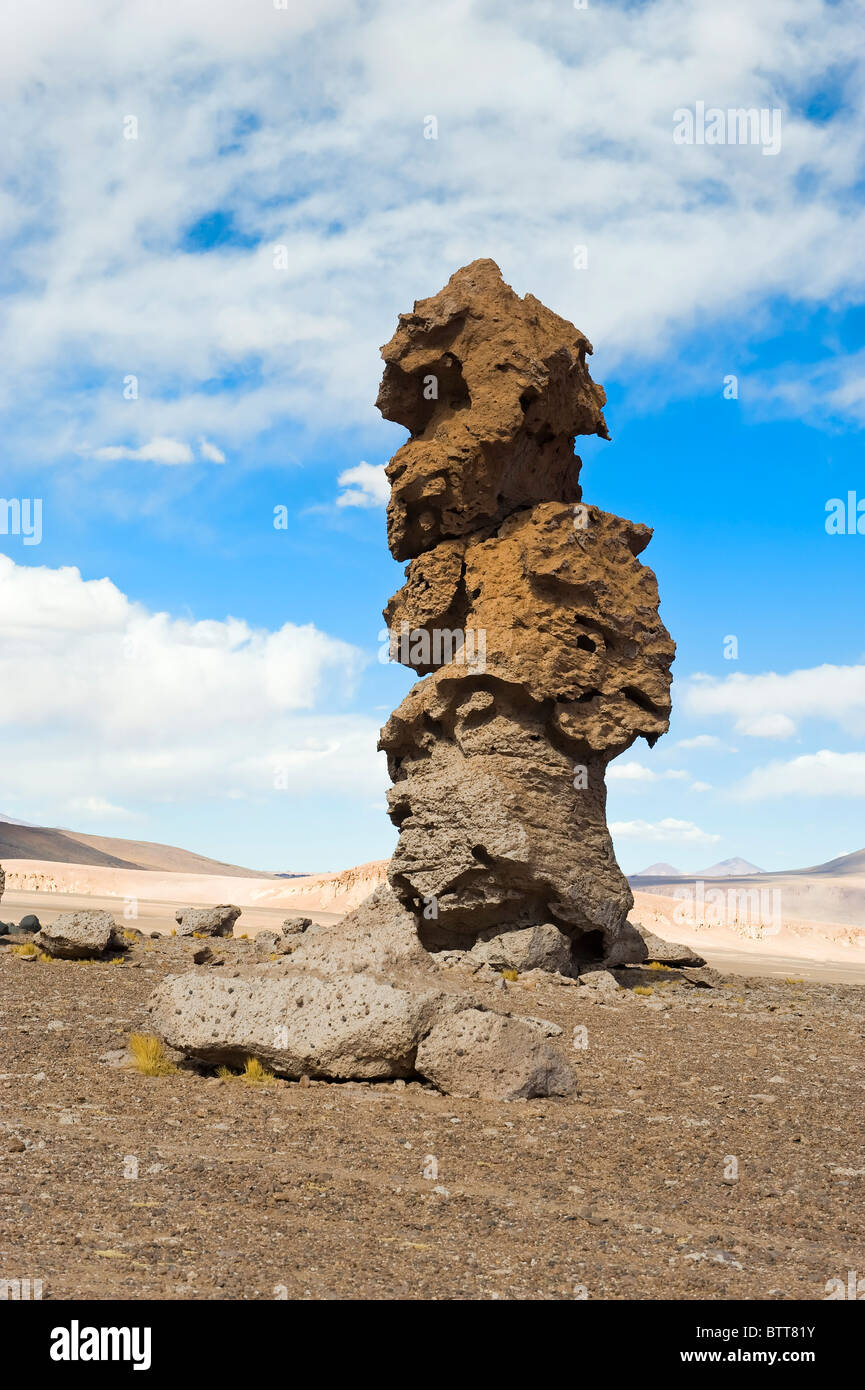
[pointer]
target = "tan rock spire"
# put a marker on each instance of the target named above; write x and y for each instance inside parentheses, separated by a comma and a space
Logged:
(498, 757)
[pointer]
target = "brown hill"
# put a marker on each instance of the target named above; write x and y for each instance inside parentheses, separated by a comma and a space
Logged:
(69, 847)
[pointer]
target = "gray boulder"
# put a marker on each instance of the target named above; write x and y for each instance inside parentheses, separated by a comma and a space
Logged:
(29, 923)
(207, 921)
(77, 935)
(298, 1024)
(530, 948)
(484, 1054)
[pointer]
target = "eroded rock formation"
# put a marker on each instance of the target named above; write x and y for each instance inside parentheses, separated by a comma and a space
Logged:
(498, 756)
(535, 629)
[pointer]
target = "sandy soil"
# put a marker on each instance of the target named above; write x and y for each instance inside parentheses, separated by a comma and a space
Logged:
(318, 1191)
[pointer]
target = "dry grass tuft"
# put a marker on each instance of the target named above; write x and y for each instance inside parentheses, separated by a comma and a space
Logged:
(254, 1074)
(148, 1056)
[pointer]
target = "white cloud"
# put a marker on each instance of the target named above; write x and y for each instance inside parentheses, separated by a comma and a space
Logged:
(637, 772)
(366, 485)
(813, 775)
(210, 451)
(767, 726)
(771, 705)
(700, 741)
(667, 831)
(159, 450)
(111, 703)
(334, 167)
(701, 787)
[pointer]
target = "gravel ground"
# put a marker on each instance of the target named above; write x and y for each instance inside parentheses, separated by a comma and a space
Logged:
(715, 1151)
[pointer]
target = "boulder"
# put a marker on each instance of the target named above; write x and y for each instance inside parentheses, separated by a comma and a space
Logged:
(207, 921)
(30, 922)
(77, 935)
(299, 1024)
(484, 1054)
(296, 926)
(532, 948)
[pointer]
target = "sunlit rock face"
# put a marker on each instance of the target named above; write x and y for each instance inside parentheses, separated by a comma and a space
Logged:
(529, 616)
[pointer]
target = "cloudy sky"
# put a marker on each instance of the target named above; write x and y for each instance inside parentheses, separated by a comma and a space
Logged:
(211, 213)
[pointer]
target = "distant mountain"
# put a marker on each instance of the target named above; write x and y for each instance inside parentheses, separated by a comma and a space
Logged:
(21, 841)
(10, 820)
(847, 864)
(658, 871)
(831, 892)
(729, 868)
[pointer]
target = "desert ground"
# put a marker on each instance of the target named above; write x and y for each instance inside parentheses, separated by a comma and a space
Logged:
(714, 1151)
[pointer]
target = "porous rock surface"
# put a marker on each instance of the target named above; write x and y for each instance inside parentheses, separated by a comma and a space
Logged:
(77, 935)
(207, 921)
(480, 1053)
(498, 756)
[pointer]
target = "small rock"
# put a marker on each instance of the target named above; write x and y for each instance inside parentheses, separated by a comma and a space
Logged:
(296, 926)
(601, 983)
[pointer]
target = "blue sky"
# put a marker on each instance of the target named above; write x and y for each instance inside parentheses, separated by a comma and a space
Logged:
(174, 666)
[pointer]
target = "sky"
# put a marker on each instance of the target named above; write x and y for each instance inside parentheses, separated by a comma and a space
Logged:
(211, 214)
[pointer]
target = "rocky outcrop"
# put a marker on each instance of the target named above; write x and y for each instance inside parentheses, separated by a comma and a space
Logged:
(528, 612)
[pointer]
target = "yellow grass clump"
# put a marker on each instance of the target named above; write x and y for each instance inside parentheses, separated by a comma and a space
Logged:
(510, 975)
(643, 989)
(254, 1074)
(29, 948)
(148, 1056)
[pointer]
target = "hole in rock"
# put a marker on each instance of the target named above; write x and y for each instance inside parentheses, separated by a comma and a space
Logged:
(585, 643)
(642, 701)
(589, 946)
